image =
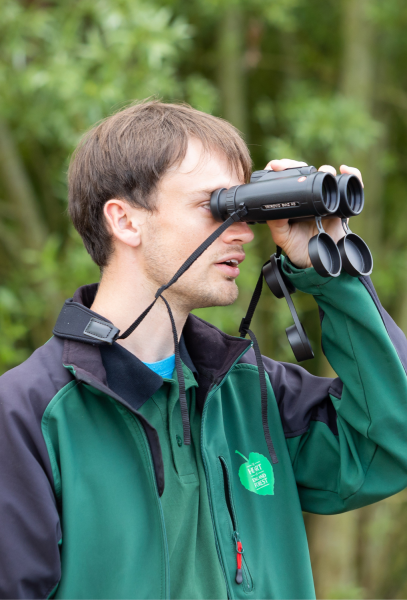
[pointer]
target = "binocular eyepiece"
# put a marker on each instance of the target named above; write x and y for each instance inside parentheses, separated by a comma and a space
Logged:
(299, 194)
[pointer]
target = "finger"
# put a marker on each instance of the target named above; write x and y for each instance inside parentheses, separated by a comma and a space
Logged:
(351, 171)
(328, 169)
(280, 230)
(285, 163)
(280, 225)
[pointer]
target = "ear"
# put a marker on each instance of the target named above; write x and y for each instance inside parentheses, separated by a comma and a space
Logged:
(124, 221)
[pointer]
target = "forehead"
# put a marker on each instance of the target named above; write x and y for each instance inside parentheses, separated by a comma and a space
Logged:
(200, 166)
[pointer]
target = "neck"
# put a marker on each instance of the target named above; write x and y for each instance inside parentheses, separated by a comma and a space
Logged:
(122, 297)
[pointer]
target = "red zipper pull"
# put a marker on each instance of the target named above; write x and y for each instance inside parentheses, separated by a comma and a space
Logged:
(239, 576)
(239, 550)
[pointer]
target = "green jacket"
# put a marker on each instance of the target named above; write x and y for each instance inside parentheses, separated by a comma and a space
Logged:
(81, 469)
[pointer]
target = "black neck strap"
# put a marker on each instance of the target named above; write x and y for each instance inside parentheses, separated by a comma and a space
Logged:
(245, 323)
(236, 216)
(243, 330)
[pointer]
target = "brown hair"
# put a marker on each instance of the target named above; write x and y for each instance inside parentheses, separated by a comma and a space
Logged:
(127, 154)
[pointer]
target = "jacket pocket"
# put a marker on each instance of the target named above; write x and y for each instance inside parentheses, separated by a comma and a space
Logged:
(242, 575)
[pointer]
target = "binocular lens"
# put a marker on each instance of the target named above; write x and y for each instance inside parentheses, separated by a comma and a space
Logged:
(329, 194)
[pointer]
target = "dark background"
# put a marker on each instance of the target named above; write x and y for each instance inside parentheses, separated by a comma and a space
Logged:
(319, 81)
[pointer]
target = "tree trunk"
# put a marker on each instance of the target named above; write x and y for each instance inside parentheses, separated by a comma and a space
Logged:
(31, 231)
(19, 191)
(332, 545)
(358, 82)
(360, 78)
(231, 75)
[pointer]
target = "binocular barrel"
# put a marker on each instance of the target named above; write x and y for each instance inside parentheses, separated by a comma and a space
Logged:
(300, 194)
(290, 194)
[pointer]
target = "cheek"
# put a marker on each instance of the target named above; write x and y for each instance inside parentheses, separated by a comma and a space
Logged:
(185, 242)
(184, 235)
(171, 241)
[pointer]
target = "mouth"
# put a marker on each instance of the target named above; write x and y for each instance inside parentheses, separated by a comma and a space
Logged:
(230, 267)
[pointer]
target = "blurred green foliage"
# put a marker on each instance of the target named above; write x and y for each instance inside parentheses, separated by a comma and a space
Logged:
(320, 81)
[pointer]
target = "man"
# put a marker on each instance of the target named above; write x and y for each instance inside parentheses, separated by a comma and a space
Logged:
(100, 496)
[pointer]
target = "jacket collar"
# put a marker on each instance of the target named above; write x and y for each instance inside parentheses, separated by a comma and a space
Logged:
(212, 353)
(205, 349)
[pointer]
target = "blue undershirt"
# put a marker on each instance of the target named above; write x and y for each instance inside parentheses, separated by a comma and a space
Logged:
(164, 368)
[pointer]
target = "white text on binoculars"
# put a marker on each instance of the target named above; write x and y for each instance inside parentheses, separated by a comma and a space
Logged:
(281, 205)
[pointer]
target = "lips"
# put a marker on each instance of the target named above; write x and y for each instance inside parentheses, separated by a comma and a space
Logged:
(230, 266)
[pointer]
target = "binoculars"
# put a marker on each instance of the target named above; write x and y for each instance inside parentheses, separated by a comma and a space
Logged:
(300, 194)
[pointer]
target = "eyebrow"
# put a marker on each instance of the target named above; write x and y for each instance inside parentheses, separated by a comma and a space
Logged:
(205, 191)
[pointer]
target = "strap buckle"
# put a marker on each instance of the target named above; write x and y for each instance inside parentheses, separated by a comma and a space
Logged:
(239, 213)
(101, 330)
(244, 326)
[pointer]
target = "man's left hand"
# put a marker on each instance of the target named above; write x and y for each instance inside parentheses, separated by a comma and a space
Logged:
(293, 238)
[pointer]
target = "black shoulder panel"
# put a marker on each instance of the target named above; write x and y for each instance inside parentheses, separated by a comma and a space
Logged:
(30, 527)
(301, 397)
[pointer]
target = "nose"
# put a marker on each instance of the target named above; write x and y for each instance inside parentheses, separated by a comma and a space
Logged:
(238, 233)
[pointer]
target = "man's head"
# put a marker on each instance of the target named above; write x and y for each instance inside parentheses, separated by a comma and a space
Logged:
(139, 191)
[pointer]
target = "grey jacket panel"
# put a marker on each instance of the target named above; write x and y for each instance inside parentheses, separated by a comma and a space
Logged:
(30, 525)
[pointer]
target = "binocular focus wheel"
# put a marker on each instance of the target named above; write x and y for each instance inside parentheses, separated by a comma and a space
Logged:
(356, 257)
(270, 275)
(324, 255)
(299, 343)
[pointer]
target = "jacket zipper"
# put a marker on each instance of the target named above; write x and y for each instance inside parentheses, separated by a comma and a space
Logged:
(242, 571)
(210, 394)
(239, 550)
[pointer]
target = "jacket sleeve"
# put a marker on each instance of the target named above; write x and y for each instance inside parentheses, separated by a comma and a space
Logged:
(30, 529)
(349, 447)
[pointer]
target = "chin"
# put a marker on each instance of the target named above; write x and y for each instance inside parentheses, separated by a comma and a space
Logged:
(230, 296)
(223, 295)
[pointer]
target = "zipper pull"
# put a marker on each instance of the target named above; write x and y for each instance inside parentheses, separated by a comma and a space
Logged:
(239, 551)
